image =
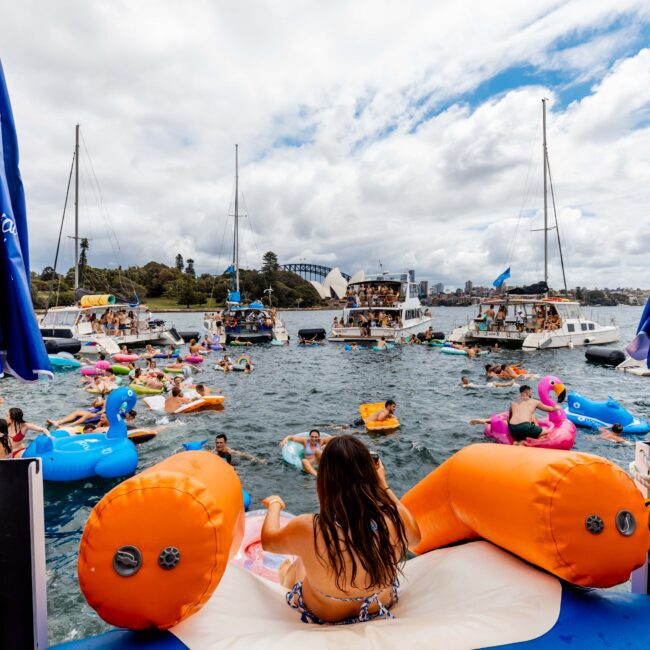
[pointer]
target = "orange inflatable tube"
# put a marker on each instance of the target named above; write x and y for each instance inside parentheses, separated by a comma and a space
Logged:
(578, 516)
(366, 410)
(156, 546)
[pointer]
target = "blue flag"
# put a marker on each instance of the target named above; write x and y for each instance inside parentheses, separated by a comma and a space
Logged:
(230, 270)
(502, 278)
(22, 350)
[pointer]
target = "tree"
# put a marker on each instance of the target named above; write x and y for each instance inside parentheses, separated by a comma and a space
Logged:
(48, 274)
(270, 262)
(189, 267)
(84, 245)
(179, 262)
(186, 292)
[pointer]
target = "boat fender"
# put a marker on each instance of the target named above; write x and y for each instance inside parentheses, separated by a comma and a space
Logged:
(130, 536)
(542, 505)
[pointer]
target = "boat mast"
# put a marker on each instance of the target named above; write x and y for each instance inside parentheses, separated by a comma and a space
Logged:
(76, 209)
(236, 235)
(545, 153)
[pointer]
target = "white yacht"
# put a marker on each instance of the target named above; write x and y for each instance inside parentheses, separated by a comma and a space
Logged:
(388, 297)
(83, 324)
(533, 323)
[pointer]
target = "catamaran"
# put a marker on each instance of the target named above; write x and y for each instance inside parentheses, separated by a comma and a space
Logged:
(532, 319)
(95, 320)
(379, 306)
(246, 323)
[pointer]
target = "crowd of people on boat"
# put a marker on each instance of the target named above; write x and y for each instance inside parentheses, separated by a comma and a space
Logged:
(117, 322)
(371, 295)
(543, 318)
(368, 320)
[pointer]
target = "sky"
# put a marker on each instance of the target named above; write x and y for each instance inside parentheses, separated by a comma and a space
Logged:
(371, 134)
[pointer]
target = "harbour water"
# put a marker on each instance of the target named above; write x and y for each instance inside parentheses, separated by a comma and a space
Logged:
(294, 388)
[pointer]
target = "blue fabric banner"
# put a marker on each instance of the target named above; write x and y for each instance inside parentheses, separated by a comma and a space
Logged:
(21, 345)
(502, 278)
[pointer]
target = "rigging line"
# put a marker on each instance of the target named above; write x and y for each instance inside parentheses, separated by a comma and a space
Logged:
(106, 217)
(557, 227)
(524, 196)
(58, 243)
(221, 246)
(250, 225)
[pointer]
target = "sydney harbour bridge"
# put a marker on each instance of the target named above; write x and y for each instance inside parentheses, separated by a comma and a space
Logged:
(310, 271)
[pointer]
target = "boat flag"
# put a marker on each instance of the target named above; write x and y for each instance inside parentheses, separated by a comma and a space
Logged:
(230, 270)
(22, 351)
(502, 278)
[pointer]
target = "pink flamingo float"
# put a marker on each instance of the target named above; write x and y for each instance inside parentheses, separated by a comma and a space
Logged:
(563, 432)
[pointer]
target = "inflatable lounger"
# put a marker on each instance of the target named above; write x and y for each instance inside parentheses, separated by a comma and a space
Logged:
(157, 403)
(366, 410)
(560, 511)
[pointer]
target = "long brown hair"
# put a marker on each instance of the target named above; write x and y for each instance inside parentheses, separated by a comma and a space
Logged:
(355, 516)
(4, 436)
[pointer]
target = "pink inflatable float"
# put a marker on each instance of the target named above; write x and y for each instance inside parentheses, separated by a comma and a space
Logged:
(194, 358)
(125, 358)
(563, 432)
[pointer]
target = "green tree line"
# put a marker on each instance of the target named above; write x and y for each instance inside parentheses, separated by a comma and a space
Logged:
(179, 284)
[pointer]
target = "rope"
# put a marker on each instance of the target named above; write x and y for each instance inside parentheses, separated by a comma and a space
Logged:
(58, 243)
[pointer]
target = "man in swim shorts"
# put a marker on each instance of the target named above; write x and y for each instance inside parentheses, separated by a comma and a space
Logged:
(223, 451)
(522, 423)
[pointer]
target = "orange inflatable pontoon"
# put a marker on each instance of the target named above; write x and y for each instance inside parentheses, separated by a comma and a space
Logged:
(367, 410)
(578, 516)
(162, 540)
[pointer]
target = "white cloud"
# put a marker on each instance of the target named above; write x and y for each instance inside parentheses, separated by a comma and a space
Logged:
(163, 90)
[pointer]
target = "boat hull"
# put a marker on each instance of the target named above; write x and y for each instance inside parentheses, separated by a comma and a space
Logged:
(353, 334)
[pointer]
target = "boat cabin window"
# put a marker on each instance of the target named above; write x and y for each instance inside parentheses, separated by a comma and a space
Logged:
(571, 327)
(60, 318)
(591, 326)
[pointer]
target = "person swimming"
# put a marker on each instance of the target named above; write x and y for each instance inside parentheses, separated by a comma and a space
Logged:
(349, 554)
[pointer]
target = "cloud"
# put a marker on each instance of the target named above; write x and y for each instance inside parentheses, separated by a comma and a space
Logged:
(367, 131)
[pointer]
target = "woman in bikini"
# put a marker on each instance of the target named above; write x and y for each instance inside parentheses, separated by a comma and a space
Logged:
(18, 428)
(349, 554)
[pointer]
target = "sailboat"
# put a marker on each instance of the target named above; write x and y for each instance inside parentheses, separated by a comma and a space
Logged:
(529, 318)
(253, 322)
(82, 321)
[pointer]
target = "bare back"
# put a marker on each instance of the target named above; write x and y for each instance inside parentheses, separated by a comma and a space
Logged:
(523, 410)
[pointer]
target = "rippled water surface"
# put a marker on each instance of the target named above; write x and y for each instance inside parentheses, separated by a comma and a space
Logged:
(293, 388)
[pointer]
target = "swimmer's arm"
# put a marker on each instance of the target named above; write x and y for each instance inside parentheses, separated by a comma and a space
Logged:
(298, 439)
(247, 456)
(325, 439)
(287, 539)
(35, 427)
(504, 384)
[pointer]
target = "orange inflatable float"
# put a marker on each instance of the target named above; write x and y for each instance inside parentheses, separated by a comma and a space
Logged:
(367, 410)
(578, 516)
(156, 546)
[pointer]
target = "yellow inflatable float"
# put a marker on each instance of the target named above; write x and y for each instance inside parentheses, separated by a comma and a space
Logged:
(366, 410)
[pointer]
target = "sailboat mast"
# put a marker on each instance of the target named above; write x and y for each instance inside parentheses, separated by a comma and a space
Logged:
(545, 158)
(76, 209)
(236, 236)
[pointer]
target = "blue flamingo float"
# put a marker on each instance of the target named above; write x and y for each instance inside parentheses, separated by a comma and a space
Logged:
(69, 457)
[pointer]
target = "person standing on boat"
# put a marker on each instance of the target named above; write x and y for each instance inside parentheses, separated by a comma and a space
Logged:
(489, 316)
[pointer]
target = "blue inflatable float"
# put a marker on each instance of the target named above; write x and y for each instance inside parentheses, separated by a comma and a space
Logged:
(69, 457)
(63, 361)
(584, 412)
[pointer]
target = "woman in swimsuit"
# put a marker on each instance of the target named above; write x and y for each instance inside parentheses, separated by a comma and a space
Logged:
(5, 446)
(18, 429)
(313, 445)
(349, 554)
